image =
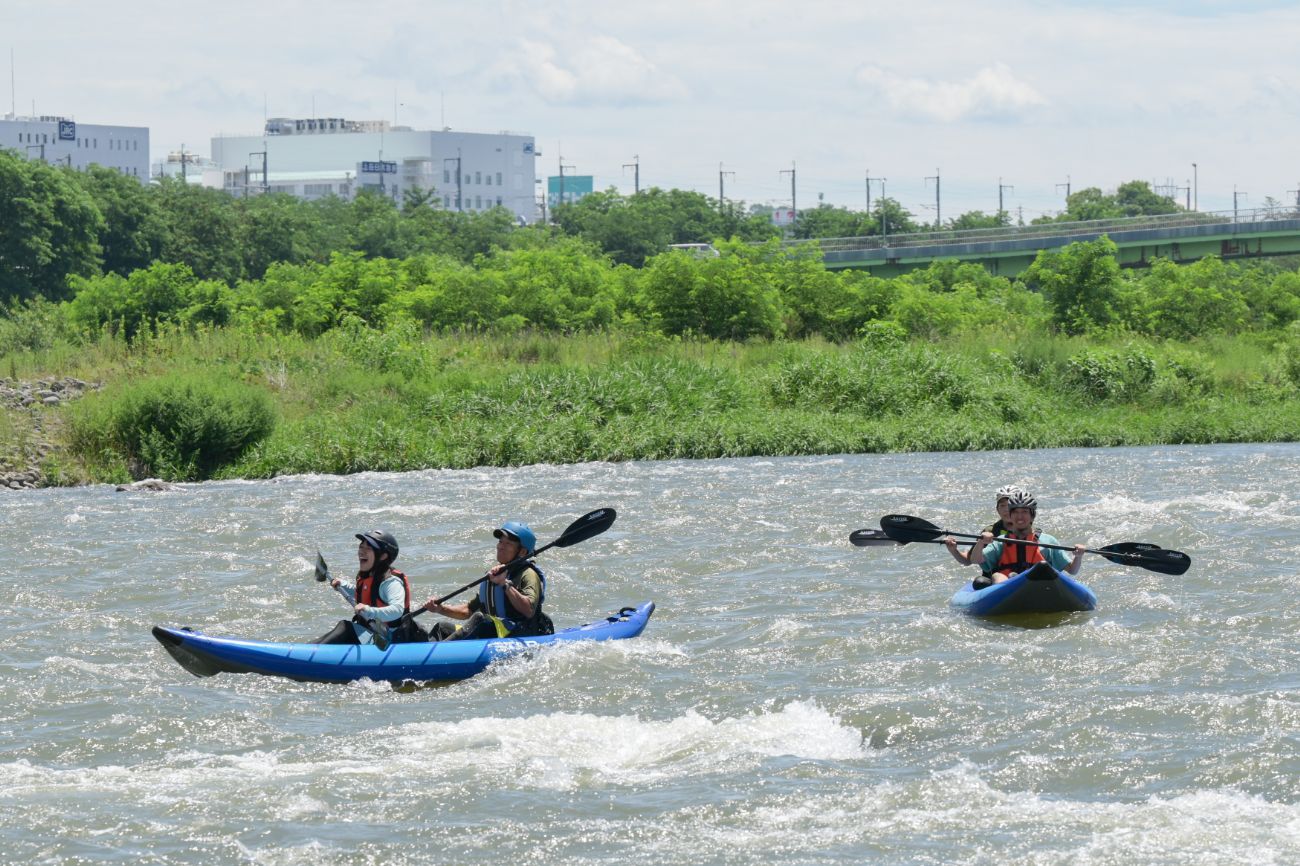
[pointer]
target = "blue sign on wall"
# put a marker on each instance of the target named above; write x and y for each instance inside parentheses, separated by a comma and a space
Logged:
(381, 167)
(67, 130)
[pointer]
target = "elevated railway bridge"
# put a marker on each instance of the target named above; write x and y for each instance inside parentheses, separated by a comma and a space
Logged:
(1180, 237)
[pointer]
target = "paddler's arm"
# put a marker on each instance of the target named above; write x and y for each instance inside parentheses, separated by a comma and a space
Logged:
(962, 558)
(1074, 567)
(452, 611)
(524, 597)
(976, 551)
(391, 591)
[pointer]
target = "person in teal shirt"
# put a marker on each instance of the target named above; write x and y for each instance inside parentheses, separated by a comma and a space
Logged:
(1002, 560)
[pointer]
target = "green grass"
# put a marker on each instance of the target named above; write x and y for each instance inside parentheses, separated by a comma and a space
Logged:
(361, 400)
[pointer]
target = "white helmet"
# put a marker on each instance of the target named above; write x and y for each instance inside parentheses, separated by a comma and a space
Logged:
(1006, 492)
(1021, 499)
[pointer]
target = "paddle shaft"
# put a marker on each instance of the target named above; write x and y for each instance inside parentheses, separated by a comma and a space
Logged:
(323, 574)
(592, 523)
(1013, 540)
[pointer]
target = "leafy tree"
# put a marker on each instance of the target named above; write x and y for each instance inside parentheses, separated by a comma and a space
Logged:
(825, 221)
(49, 228)
(892, 218)
(202, 230)
(1081, 283)
(979, 220)
(132, 233)
(274, 228)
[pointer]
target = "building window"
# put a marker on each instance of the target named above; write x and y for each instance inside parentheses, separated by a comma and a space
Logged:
(446, 176)
(498, 201)
(478, 202)
(498, 178)
(488, 180)
(478, 177)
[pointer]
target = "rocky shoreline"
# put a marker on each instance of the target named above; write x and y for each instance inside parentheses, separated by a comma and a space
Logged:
(20, 463)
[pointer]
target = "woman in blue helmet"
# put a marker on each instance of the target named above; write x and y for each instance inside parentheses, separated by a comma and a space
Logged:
(509, 600)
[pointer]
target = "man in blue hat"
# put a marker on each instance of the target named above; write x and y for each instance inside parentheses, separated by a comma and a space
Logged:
(509, 600)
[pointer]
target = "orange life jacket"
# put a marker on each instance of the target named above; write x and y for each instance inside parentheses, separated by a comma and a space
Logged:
(1018, 557)
(368, 589)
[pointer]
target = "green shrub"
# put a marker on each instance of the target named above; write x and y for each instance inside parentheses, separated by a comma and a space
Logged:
(1101, 374)
(180, 428)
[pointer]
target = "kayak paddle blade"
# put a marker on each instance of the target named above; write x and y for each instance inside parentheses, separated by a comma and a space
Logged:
(586, 526)
(870, 538)
(905, 529)
(1149, 556)
(322, 570)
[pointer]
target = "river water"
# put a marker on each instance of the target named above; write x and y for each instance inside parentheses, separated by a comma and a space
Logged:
(794, 699)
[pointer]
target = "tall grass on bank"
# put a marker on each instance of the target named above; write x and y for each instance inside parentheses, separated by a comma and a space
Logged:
(234, 403)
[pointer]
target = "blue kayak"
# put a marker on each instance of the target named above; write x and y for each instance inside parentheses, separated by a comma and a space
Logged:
(1041, 589)
(205, 656)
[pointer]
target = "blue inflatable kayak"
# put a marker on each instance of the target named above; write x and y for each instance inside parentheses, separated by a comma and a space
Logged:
(1041, 589)
(206, 656)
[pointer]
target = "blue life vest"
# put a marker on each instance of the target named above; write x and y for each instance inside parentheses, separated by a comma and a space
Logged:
(492, 598)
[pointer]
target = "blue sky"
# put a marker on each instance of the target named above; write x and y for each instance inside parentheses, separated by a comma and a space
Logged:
(1030, 94)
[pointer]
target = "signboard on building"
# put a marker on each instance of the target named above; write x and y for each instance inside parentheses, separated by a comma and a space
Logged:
(379, 167)
(67, 130)
(575, 186)
(783, 216)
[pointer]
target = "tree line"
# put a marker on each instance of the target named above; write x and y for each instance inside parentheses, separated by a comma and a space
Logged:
(60, 223)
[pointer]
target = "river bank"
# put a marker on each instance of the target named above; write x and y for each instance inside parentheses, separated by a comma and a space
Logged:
(227, 403)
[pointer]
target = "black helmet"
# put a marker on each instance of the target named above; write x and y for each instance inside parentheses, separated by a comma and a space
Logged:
(1022, 499)
(381, 542)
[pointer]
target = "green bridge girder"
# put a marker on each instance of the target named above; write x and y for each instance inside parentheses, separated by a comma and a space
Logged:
(1182, 237)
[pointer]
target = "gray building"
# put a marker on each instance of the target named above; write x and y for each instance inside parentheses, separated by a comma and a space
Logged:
(317, 157)
(59, 140)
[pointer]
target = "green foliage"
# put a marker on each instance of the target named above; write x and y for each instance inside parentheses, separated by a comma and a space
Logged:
(1135, 198)
(825, 221)
(180, 428)
(49, 228)
(1099, 375)
(1081, 284)
(32, 325)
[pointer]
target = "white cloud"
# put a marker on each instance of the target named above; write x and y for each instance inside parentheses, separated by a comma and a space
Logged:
(993, 92)
(602, 70)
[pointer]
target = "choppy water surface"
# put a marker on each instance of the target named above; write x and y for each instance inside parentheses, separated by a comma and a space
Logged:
(794, 699)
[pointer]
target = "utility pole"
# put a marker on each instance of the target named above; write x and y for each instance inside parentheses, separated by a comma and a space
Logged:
(184, 174)
(721, 194)
(1001, 187)
(455, 159)
(884, 211)
(262, 153)
(41, 147)
(868, 192)
(1196, 192)
(794, 204)
(1297, 195)
(560, 199)
(1067, 190)
(1188, 191)
(938, 222)
(635, 164)
(1235, 194)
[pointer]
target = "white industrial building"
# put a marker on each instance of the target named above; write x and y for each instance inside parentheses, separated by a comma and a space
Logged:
(62, 141)
(317, 157)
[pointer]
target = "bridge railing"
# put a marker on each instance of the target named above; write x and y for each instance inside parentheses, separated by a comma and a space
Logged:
(1051, 230)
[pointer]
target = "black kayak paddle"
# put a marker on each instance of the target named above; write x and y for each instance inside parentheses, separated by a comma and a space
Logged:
(588, 525)
(907, 530)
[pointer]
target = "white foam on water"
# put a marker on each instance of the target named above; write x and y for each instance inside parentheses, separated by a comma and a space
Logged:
(563, 750)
